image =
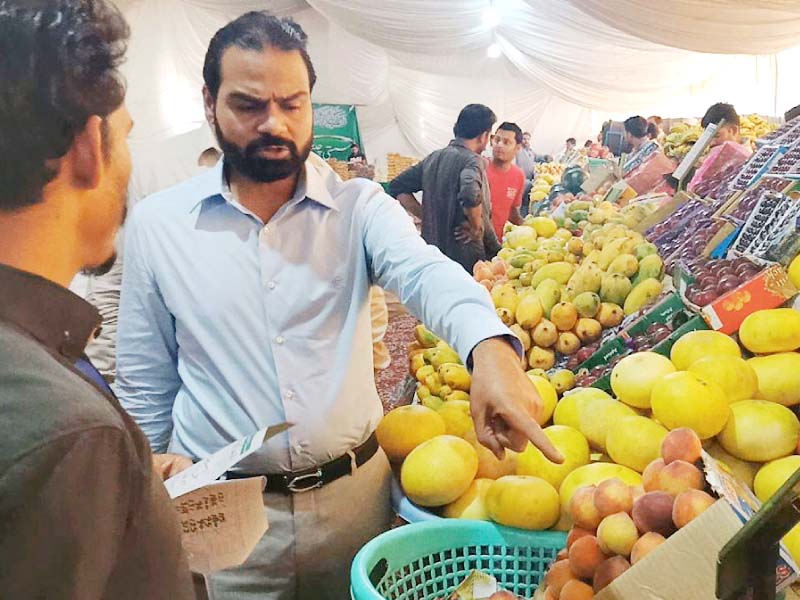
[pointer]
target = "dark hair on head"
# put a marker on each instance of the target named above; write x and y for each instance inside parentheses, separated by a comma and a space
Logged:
(636, 126)
(588, 144)
(254, 31)
(719, 111)
(508, 126)
(58, 67)
(474, 120)
(572, 141)
(652, 131)
(526, 133)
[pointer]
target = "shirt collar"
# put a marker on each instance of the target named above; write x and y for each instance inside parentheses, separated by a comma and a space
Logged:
(314, 184)
(54, 316)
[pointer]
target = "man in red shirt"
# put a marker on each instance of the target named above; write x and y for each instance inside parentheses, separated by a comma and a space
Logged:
(506, 180)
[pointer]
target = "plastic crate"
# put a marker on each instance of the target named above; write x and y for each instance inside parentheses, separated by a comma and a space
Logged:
(427, 561)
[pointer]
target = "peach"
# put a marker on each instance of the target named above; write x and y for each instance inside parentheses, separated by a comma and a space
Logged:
(653, 512)
(503, 595)
(617, 534)
(613, 496)
(550, 595)
(679, 476)
(563, 554)
(681, 444)
(558, 575)
(585, 556)
(582, 509)
(575, 534)
(689, 505)
(645, 545)
(652, 475)
(609, 571)
(576, 590)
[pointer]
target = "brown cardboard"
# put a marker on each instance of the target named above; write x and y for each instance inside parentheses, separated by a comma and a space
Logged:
(684, 568)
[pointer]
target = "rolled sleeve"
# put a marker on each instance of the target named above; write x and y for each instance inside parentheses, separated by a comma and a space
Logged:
(435, 289)
(470, 190)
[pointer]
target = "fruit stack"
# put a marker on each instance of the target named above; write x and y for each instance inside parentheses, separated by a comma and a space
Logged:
(680, 139)
(617, 525)
(547, 175)
(774, 216)
(715, 278)
(558, 292)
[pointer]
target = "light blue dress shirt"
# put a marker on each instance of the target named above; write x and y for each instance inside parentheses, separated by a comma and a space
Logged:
(227, 324)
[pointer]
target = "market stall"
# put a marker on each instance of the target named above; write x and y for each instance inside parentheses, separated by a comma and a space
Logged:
(660, 332)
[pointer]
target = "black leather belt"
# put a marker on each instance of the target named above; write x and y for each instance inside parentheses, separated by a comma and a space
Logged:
(314, 478)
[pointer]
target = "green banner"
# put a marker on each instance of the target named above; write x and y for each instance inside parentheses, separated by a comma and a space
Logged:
(335, 128)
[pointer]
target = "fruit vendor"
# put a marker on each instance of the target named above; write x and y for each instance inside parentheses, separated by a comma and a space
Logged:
(245, 304)
(727, 115)
(456, 207)
(506, 180)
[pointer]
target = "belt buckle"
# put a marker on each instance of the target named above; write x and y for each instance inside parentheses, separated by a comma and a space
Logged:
(316, 477)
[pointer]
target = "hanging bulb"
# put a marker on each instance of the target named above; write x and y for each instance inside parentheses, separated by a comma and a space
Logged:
(494, 51)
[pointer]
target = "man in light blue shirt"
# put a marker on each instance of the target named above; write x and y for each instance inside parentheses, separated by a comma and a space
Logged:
(245, 303)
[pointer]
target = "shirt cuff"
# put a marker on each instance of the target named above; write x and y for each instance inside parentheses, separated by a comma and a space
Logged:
(470, 340)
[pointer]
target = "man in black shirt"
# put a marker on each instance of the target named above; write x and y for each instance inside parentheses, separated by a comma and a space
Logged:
(456, 205)
(83, 513)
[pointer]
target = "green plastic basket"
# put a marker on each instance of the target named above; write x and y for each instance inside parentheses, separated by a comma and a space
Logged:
(426, 561)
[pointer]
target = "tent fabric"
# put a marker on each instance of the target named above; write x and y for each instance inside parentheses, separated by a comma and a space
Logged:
(410, 65)
(717, 26)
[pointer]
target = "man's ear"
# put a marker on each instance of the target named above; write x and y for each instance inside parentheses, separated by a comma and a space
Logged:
(86, 154)
(210, 107)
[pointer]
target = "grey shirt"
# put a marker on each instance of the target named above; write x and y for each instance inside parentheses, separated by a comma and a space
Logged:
(82, 514)
(451, 180)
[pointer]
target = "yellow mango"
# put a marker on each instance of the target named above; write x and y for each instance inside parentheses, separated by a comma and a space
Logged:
(455, 376)
(769, 331)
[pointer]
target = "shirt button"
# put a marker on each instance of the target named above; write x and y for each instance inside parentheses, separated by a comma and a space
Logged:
(271, 285)
(289, 394)
(280, 340)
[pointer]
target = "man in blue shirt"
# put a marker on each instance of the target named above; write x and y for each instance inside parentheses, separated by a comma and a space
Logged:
(245, 303)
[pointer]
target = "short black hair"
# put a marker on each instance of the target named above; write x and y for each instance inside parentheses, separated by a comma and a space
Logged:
(526, 133)
(572, 141)
(652, 131)
(474, 120)
(719, 111)
(508, 126)
(59, 67)
(588, 144)
(255, 30)
(636, 126)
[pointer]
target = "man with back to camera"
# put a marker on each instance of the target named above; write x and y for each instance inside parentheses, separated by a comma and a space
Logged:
(83, 513)
(506, 180)
(245, 303)
(456, 206)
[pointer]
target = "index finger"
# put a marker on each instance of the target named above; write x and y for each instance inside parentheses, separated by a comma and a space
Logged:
(523, 422)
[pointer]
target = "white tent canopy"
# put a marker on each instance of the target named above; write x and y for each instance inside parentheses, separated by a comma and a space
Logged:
(410, 65)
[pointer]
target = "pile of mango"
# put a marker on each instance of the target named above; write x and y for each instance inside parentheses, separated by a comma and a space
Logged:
(547, 175)
(441, 375)
(592, 210)
(753, 127)
(559, 291)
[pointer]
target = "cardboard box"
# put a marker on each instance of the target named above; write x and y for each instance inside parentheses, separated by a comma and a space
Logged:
(768, 289)
(663, 212)
(685, 567)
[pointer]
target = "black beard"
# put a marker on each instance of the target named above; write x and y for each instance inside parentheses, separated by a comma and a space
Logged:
(249, 164)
